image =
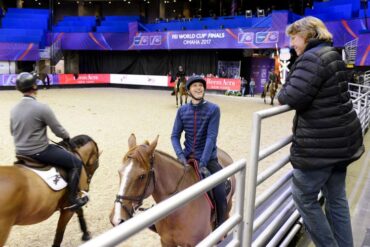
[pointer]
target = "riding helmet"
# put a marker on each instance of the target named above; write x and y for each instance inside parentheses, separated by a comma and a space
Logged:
(193, 79)
(26, 82)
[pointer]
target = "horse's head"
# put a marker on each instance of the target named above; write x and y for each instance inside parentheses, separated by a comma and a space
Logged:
(136, 180)
(88, 151)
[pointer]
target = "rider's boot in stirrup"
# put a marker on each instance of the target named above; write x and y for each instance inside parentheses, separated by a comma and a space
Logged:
(75, 201)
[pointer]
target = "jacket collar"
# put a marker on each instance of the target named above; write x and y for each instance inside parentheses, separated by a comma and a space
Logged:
(312, 43)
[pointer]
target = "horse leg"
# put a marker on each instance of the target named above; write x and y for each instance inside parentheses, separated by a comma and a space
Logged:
(86, 234)
(180, 99)
(64, 218)
(5, 228)
(164, 244)
(177, 102)
(272, 100)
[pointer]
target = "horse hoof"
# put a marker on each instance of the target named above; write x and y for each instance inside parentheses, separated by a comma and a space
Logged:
(86, 236)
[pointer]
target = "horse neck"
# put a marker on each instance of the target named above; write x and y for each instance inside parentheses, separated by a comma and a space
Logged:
(169, 176)
(84, 152)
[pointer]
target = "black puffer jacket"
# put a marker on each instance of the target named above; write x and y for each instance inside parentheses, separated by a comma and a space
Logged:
(326, 130)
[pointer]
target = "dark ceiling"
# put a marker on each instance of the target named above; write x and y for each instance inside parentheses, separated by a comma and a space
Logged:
(203, 7)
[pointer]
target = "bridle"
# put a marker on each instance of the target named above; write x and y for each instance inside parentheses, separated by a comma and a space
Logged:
(138, 199)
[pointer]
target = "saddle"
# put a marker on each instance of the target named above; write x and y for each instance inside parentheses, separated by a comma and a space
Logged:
(56, 178)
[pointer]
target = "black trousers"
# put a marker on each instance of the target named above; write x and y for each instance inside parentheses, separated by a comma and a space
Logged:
(59, 157)
(219, 192)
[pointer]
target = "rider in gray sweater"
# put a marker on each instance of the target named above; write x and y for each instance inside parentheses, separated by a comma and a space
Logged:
(28, 122)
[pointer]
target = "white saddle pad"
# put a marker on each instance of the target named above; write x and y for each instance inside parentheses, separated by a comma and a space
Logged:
(51, 177)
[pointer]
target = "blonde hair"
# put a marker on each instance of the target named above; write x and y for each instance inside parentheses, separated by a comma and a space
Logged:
(310, 28)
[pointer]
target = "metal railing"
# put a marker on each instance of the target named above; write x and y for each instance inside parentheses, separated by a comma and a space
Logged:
(286, 222)
(252, 224)
(122, 232)
(350, 49)
(360, 95)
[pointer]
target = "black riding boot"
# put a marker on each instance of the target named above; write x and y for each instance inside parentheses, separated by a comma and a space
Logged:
(220, 210)
(73, 181)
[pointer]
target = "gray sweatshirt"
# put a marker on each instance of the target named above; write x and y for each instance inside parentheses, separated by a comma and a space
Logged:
(28, 122)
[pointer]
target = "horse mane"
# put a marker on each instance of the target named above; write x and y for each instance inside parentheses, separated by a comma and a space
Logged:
(81, 140)
(137, 153)
(168, 156)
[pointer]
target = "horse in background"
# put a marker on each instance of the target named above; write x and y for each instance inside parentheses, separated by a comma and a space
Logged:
(25, 198)
(180, 91)
(146, 171)
(270, 89)
(44, 78)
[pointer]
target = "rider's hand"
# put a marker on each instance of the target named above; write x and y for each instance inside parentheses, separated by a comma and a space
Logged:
(204, 172)
(183, 161)
(68, 143)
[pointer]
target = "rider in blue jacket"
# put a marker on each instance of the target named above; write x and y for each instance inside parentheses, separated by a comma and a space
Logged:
(200, 121)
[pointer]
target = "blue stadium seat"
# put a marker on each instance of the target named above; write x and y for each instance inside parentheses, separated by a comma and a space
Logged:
(112, 29)
(122, 18)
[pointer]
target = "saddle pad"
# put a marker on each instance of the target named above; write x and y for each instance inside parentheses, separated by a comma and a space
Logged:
(51, 177)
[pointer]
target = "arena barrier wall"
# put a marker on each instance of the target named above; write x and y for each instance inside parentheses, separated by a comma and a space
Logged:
(213, 83)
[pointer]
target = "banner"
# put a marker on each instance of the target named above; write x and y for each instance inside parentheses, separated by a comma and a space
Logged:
(261, 68)
(19, 51)
(214, 83)
(145, 80)
(84, 79)
(9, 80)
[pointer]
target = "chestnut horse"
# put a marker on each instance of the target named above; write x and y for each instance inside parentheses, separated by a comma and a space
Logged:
(146, 171)
(180, 92)
(25, 199)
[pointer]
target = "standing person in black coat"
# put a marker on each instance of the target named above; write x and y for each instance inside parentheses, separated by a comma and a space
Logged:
(327, 134)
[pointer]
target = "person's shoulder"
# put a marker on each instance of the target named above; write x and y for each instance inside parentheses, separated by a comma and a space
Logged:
(211, 105)
(184, 108)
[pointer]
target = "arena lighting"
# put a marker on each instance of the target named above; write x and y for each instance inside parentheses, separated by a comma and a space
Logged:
(248, 13)
(260, 12)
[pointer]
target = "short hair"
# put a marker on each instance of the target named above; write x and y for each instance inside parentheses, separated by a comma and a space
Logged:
(310, 28)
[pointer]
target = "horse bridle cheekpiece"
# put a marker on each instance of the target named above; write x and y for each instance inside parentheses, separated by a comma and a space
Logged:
(139, 199)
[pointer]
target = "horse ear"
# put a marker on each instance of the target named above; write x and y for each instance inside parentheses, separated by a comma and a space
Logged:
(153, 145)
(132, 141)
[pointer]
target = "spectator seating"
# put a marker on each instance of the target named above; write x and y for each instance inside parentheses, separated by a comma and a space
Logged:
(25, 26)
(116, 24)
(336, 10)
(211, 23)
(75, 24)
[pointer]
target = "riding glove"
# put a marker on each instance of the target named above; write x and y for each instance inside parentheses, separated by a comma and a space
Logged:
(68, 143)
(204, 172)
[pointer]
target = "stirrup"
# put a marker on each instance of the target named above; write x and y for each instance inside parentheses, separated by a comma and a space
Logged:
(79, 202)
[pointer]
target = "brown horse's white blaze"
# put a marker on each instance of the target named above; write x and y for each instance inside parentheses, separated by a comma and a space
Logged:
(124, 173)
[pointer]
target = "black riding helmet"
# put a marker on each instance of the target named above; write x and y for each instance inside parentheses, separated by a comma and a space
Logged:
(26, 82)
(193, 79)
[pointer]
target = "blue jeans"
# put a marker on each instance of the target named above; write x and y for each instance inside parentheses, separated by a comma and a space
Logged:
(334, 227)
(251, 90)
